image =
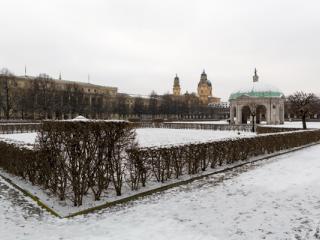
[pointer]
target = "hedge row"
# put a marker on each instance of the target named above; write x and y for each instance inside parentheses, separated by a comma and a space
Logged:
(167, 163)
(262, 130)
(74, 159)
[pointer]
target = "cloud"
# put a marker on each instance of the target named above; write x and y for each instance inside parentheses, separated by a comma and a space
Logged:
(139, 45)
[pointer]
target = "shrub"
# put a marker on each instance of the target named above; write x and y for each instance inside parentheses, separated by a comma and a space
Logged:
(84, 155)
(72, 158)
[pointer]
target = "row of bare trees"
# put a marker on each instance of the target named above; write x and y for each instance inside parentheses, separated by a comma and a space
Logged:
(169, 105)
(41, 98)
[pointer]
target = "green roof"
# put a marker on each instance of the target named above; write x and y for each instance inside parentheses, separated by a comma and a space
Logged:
(258, 90)
(255, 94)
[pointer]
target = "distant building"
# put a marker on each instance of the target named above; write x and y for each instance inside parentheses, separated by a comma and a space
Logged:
(219, 105)
(176, 86)
(25, 82)
(263, 101)
(204, 89)
(42, 97)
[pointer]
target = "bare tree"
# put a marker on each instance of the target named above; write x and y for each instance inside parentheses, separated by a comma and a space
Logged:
(303, 104)
(45, 95)
(153, 104)
(253, 113)
(8, 92)
(138, 107)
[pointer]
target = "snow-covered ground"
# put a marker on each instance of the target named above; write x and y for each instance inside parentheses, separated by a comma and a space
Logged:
(155, 136)
(275, 199)
(163, 136)
(28, 138)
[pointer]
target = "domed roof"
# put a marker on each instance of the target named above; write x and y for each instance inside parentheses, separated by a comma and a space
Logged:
(204, 80)
(257, 89)
(207, 82)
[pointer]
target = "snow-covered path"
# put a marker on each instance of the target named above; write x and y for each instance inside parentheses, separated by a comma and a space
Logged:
(276, 199)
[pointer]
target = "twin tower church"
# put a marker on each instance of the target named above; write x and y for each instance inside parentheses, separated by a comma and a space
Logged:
(204, 89)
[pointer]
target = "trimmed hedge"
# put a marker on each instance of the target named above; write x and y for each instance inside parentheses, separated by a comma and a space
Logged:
(172, 162)
(73, 159)
(261, 130)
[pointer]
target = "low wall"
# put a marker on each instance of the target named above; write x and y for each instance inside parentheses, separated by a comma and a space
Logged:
(6, 128)
(262, 130)
(203, 126)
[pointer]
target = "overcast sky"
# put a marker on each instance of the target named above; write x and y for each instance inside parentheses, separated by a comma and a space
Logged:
(139, 45)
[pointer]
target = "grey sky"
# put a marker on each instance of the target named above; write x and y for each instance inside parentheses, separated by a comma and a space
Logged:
(139, 45)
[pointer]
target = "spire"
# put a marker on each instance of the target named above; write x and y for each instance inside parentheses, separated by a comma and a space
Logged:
(25, 70)
(176, 81)
(203, 78)
(60, 78)
(255, 76)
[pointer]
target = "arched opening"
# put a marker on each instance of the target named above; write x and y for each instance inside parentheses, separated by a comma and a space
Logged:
(245, 115)
(261, 114)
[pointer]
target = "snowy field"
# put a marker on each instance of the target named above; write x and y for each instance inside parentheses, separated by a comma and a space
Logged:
(155, 136)
(163, 136)
(275, 199)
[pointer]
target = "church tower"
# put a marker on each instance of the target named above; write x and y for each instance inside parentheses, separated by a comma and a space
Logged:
(176, 86)
(204, 88)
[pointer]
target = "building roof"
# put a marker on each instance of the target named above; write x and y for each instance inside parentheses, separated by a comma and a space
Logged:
(257, 89)
(62, 81)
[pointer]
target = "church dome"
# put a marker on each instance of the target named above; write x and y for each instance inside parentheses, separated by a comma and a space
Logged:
(176, 81)
(204, 80)
(257, 89)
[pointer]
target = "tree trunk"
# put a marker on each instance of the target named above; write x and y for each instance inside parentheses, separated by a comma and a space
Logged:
(304, 124)
(253, 122)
